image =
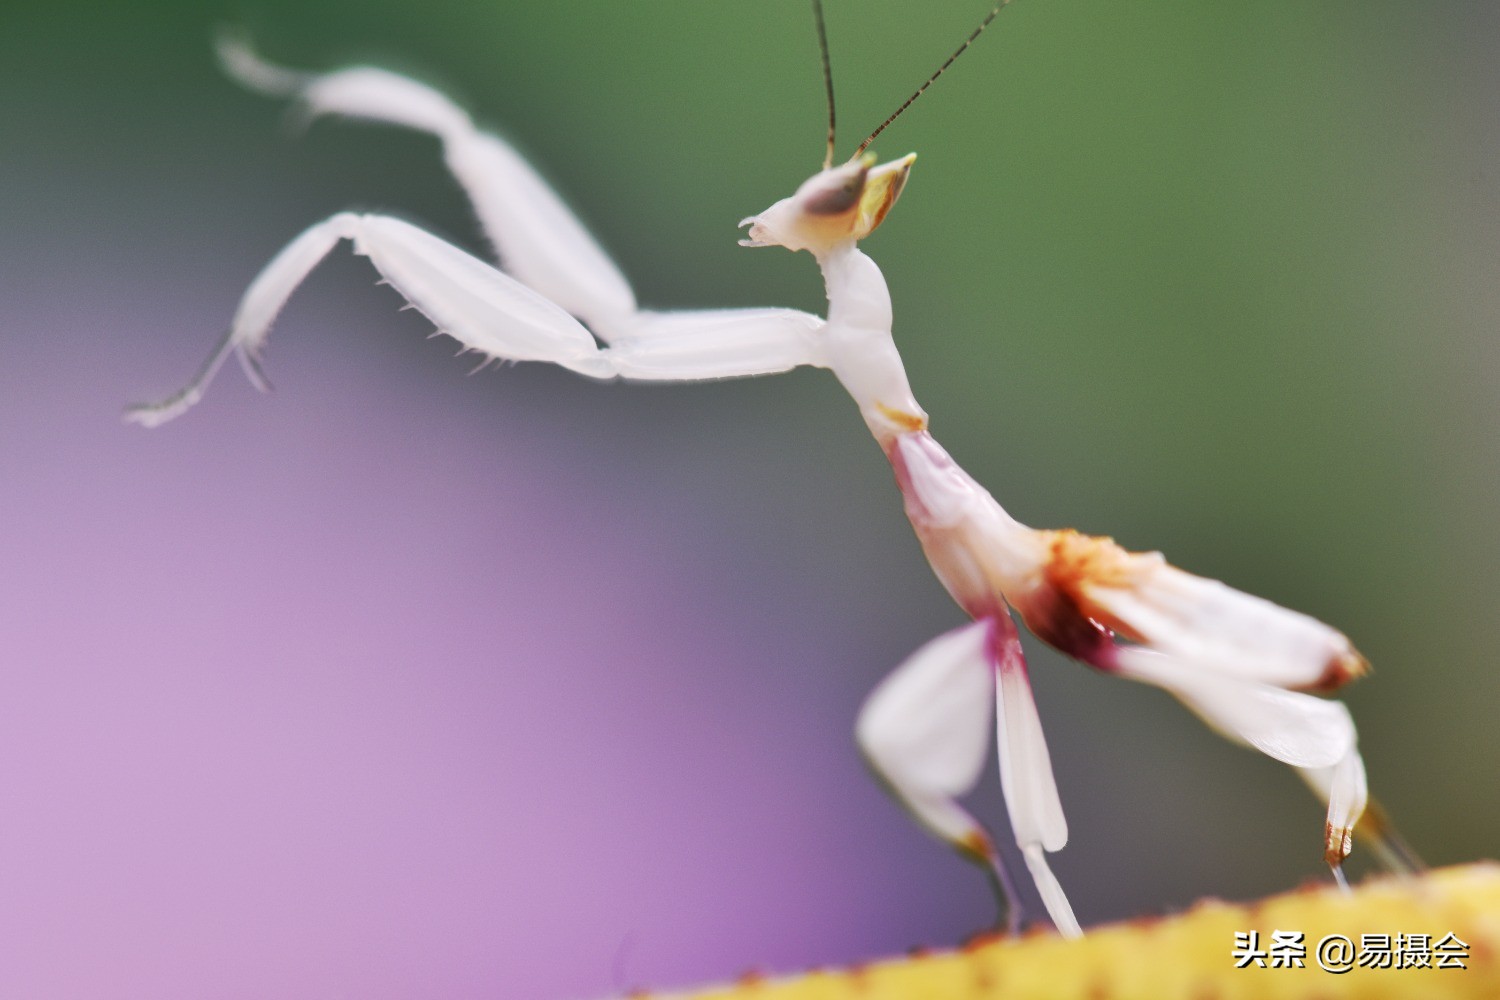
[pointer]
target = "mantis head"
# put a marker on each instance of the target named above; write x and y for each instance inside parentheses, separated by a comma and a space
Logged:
(836, 205)
(844, 204)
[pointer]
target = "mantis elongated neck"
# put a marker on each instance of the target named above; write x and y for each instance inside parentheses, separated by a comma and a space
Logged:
(968, 537)
(861, 351)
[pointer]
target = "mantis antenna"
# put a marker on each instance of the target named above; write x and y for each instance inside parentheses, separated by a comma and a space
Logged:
(827, 77)
(920, 90)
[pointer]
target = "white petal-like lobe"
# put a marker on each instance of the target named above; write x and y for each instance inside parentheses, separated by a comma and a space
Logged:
(1026, 776)
(1343, 786)
(1296, 729)
(1348, 791)
(1208, 622)
(926, 727)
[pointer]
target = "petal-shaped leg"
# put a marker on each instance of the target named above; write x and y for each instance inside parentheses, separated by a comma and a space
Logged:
(482, 308)
(1313, 735)
(538, 239)
(1342, 786)
(1036, 813)
(1199, 620)
(1297, 729)
(925, 731)
(1351, 811)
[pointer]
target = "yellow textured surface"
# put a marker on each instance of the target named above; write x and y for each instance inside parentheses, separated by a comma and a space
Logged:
(1188, 957)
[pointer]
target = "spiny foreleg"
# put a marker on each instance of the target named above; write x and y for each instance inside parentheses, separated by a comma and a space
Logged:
(482, 308)
(539, 240)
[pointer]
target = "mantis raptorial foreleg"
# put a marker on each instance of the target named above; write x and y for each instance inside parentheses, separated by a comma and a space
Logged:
(553, 269)
(482, 308)
(493, 314)
(539, 240)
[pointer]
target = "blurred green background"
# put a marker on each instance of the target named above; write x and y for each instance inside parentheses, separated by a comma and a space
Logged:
(1214, 279)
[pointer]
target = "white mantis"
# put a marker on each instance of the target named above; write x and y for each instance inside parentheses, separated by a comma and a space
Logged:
(1246, 666)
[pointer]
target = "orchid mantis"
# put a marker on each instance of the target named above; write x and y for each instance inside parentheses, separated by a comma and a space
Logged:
(1246, 666)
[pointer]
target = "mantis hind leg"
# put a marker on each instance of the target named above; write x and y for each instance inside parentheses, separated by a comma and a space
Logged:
(926, 730)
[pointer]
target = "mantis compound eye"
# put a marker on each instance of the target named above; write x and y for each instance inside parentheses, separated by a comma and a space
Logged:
(836, 192)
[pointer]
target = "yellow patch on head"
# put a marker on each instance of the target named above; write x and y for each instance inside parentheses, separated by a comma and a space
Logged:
(883, 186)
